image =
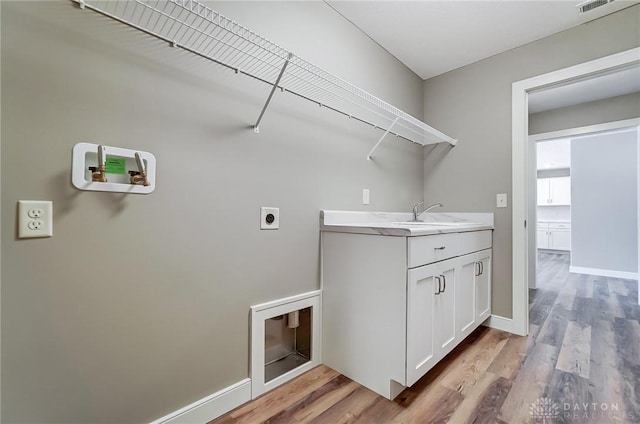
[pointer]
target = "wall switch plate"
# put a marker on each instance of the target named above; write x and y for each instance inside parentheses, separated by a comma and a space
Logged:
(501, 200)
(269, 218)
(365, 196)
(35, 218)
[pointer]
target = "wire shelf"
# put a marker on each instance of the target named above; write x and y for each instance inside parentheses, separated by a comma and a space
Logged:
(192, 26)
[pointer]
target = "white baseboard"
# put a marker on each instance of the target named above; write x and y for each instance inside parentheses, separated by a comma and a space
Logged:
(604, 272)
(212, 406)
(499, 323)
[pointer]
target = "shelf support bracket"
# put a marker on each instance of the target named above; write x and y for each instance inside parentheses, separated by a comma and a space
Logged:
(382, 138)
(256, 128)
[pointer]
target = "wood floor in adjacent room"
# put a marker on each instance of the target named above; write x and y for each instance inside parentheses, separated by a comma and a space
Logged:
(579, 364)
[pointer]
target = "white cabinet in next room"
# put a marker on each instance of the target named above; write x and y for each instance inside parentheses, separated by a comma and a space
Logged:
(554, 235)
(554, 191)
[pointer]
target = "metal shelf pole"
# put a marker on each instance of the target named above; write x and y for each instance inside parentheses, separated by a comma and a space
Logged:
(256, 128)
(382, 138)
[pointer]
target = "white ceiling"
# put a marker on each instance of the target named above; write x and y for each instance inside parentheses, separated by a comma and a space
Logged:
(432, 37)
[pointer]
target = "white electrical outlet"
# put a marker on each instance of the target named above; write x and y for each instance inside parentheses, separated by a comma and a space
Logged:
(269, 218)
(35, 218)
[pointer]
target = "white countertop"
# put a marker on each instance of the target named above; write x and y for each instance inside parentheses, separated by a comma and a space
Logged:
(398, 223)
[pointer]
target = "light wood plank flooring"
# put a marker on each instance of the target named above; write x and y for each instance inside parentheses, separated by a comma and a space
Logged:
(579, 364)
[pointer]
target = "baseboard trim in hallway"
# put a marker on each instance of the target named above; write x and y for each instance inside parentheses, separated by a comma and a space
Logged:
(604, 272)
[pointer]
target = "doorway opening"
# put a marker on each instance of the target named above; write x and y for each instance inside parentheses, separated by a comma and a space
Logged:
(521, 242)
(587, 177)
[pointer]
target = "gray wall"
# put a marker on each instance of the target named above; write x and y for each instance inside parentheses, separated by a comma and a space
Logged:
(139, 305)
(473, 104)
(591, 113)
(604, 201)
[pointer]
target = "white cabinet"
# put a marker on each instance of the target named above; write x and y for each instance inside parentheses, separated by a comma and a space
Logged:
(428, 302)
(555, 236)
(466, 295)
(473, 291)
(446, 301)
(542, 236)
(560, 239)
(482, 283)
(394, 306)
(554, 154)
(554, 191)
(544, 193)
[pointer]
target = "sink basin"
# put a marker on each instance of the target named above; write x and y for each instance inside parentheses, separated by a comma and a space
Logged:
(435, 224)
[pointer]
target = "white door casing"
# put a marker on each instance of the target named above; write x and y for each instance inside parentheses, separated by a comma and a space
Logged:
(520, 166)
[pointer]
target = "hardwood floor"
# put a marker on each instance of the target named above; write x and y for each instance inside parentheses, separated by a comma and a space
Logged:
(579, 364)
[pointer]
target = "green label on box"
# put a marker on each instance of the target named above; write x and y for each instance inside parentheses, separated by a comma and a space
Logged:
(116, 165)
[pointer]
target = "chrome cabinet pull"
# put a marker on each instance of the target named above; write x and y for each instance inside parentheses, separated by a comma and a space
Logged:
(437, 278)
(440, 248)
(444, 280)
(481, 268)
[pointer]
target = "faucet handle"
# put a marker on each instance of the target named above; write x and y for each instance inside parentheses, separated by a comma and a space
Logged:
(102, 155)
(140, 163)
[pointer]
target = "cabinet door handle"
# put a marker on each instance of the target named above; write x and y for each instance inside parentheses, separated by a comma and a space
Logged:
(440, 248)
(477, 268)
(438, 278)
(444, 280)
(481, 268)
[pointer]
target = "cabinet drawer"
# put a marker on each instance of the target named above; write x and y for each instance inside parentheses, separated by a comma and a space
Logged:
(474, 241)
(559, 226)
(427, 249)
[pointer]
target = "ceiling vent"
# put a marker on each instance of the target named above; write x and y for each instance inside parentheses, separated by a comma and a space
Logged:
(589, 5)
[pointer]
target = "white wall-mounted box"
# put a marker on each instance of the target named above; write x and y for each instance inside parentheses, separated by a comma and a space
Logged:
(85, 155)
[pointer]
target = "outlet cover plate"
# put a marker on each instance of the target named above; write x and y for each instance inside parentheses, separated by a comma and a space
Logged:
(269, 218)
(35, 218)
(501, 200)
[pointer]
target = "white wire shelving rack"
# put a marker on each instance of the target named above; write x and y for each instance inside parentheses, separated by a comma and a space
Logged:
(198, 29)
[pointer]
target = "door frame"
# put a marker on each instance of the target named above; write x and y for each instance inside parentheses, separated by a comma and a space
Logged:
(520, 168)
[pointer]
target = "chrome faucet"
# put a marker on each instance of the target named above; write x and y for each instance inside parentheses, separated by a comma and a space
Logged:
(415, 209)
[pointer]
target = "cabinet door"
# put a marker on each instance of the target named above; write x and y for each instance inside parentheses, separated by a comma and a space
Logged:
(445, 309)
(473, 292)
(560, 189)
(483, 286)
(544, 194)
(430, 316)
(466, 295)
(560, 239)
(542, 238)
(554, 154)
(421, 292)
